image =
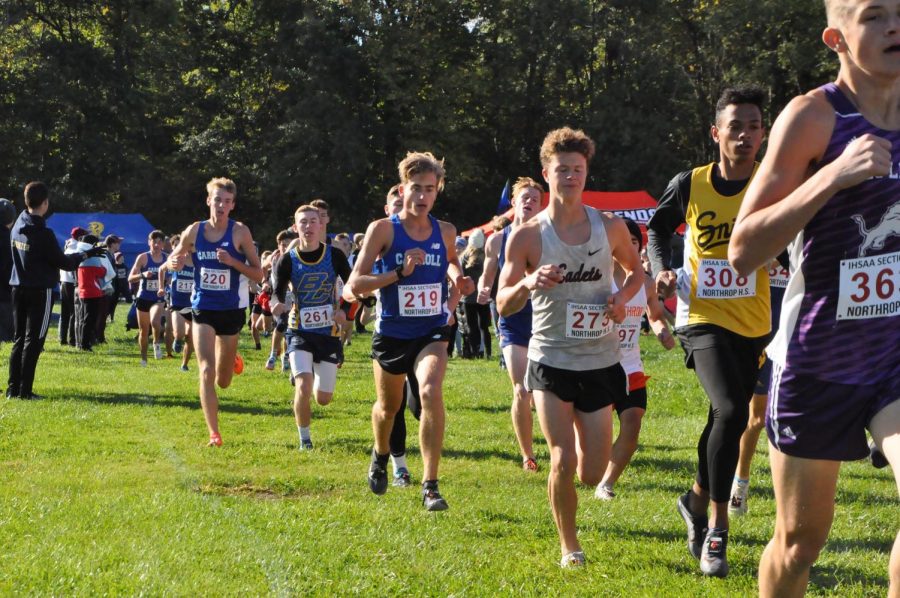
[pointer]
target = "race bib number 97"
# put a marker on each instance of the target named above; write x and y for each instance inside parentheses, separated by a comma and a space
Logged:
(213, 279)
(420, 300)
(587, 320)
(316, 317)
(870, 287)
(716, 279)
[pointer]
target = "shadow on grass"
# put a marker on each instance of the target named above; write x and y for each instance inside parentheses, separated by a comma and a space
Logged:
(168, 400)
(823, 578)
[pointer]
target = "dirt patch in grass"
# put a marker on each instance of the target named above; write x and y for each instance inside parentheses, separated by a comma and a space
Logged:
(256, 492)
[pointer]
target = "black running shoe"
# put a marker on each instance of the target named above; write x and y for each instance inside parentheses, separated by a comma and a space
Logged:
(713, 561)
(879, 461)
(378, 479)
(696, 525)
(433, 500)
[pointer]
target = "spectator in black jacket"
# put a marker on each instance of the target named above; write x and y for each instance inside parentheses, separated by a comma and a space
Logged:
(7, 217)
(37, 259)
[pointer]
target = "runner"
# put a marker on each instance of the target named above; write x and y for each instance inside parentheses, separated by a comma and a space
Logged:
(314, 271)
(417, 254)
(631, 410)
(514, 331)
(222, 250)
(149, 304)
(829, 187)
(181, 284)
(284, 240)
(722, 319)
(740, 487)
(563, 259)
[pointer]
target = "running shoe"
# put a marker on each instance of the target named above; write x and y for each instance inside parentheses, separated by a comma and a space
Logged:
(737, 504)
(402, 478)
(270, 363)
(879, 461)
(143, 363)
(604, 492)
(530, 465)
(572, 560)
(238, 364)
(378, 481)
(433, 500)
(306, 445)
(713, 561)
(215, 439)
(157, 351)
(697, 525)
(184, 368)
(285, 364)
(177, 346)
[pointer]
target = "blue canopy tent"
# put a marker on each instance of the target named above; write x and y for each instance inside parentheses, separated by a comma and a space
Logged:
(133, 228)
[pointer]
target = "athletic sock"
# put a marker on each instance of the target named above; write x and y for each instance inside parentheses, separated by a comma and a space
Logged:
(430, 484)
(399, 462)
(741, 482)
(382, 460)
(304, 433)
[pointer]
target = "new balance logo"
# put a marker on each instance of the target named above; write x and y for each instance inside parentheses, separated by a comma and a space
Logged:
(435, 245)
(225, 244)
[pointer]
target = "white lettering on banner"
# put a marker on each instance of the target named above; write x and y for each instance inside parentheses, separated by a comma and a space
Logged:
(716, 279)
(869, 287)
(587, 321)
(316, 317)
(214, 279)
(184, 286)
(419, 300)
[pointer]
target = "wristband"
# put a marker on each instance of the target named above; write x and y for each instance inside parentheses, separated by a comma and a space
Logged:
(399, 271)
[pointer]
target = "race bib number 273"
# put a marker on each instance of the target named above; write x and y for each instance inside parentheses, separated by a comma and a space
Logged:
(869, 287)
(587, 320)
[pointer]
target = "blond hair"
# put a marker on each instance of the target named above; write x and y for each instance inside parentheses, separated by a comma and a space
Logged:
(221, 183)
(566, 140)
(421, 162)
(306, 208)
(524, 182)
(836, 11)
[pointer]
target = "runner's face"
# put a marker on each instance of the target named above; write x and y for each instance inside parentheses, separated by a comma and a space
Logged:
(323, 217)
(393, 206)
(156, 245)
(566, 174)
(869, 36)
(283, 245)
(739, 132)
(527, 203)
(637, 244)
(419, 193)
(309, 226)
(220, 203)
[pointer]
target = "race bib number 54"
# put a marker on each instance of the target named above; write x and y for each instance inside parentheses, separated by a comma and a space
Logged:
(716, 279)
(587, 320)
(870, 287)
(420, 300)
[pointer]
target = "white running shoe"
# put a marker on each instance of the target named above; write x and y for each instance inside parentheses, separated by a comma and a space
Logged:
(737, 505)
(157, 351)
(572, 560)
(604, 492)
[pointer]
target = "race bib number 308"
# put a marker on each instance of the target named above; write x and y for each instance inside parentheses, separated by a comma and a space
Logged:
(870, 287)
(716, 279)
(214, 279)
(587, 320)
(419, 300)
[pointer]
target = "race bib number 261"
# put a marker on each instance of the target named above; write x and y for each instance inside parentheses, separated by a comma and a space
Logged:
(869, 287)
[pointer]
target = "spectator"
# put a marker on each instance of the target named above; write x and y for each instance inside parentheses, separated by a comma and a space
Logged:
(68, 291)
(7, 217)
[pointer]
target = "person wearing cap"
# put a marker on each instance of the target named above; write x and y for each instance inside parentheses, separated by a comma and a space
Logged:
(7, 217)
(112, 243)
(68, 290)
(36, 258)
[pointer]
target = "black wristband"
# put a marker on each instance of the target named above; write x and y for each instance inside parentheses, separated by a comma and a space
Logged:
(399, 271)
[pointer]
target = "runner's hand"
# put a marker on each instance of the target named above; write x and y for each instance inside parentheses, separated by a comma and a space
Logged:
(484, 296)
(665, 283)
(666, 339)
(340, 318)
(545, 277)
(466, 285)
(224, 257)
(863, 158)
(412, 258)
(176, 262)
(615, 308)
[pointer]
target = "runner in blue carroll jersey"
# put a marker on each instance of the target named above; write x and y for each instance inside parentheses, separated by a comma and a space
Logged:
(222, 251)
(181, 289)
(150, 305)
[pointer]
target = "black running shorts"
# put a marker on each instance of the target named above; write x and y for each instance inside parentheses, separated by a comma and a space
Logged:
(226, 322)
(398, 355)
(589, 390)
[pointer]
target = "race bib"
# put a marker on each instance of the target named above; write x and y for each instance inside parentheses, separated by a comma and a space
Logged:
(870, 287)
(628, 335)
(587, 320)
(214, 279)
(420, 300)
(778, 277)
(184, 286)
(151, 284)
(716, 279)
(316, 317)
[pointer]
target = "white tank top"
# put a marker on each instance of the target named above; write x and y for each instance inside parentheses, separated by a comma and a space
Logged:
(629, 331)
(570, 328)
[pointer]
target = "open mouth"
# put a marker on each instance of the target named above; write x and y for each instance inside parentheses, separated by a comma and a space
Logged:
(892, 49)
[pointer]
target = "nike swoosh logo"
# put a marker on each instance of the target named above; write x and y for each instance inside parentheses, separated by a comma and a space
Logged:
(593, 252)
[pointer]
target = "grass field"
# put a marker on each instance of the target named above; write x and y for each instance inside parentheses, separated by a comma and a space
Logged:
(107, 487)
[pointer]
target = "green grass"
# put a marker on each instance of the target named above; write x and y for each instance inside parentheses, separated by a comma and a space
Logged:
(106, 487)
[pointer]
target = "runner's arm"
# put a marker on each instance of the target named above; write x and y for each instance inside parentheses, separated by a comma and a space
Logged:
(454, 270)
(491, 262)
(656, 315)
(251, 268)
(669, 215)
(136, 275)
(184, 248)
(523, 249)
(378, 239)
(626, 255)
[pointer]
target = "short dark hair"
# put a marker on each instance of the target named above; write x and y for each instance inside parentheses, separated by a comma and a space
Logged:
(743, 94)
(36, 193)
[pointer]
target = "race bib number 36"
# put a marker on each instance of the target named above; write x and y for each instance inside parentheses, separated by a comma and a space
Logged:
(870, 287)
(587, 320)
(316, 317)
(213, 279)
(420, 300)
(716, 279)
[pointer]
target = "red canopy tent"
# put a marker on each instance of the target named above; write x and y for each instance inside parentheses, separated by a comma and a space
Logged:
(637, 205)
